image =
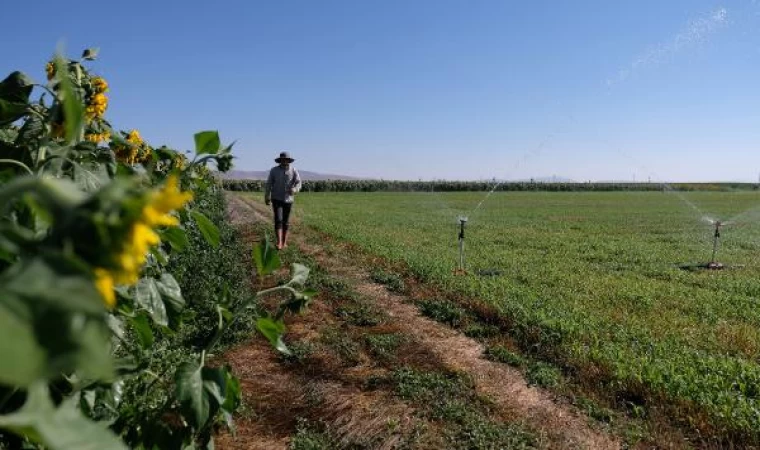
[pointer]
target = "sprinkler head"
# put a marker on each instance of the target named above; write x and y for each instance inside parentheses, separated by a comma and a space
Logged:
(462, 219)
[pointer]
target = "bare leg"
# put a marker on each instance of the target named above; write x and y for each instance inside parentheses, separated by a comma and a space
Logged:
(285, 238)
(280, 239)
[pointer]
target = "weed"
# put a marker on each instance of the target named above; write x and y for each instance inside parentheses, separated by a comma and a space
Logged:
(384, 346)
(392, 282)
(310, 437)
(594, 410)
(501, 354)
(343, 345)
(481, 330)
(443, 311)
(360, 313)
(299, 352)
(543, 374)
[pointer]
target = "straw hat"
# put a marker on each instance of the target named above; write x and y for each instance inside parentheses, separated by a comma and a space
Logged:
(284, 157)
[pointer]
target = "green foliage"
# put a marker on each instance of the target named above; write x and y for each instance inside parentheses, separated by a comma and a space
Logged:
(266, 258)
(209, 231)
(114, 288)
(273, 331)
(207, 142)
(62, 427)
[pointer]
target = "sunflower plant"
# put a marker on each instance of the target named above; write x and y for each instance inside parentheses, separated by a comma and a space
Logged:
(89, 219)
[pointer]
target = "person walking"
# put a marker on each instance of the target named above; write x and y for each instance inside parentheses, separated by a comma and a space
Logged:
(281, 186)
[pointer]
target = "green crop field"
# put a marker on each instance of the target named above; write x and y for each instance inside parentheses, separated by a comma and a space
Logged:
(591, 281)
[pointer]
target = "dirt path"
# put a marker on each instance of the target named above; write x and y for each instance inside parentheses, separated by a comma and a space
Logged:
(360, 413)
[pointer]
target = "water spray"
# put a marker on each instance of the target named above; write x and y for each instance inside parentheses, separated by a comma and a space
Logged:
(461, 269)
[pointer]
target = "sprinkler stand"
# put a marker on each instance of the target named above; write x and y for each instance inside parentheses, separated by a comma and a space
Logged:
(461, 269)
(714, 265)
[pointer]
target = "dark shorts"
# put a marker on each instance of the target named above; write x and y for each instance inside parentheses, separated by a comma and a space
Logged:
(281, 214)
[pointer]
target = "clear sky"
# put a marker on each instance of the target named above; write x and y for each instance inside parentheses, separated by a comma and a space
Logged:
(408, 89)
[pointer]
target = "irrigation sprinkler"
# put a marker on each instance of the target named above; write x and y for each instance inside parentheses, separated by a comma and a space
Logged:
(461, 269)
(716, 239)
(713, 264)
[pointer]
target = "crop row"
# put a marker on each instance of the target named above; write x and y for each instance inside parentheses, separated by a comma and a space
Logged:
(484, 186)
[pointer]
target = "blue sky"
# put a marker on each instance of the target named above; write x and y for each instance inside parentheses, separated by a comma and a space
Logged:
(408, 89)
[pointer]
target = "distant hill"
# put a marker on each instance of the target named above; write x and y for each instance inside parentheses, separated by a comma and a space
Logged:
(262, 175)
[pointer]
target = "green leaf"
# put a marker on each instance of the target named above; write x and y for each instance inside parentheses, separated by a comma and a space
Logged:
(89, 350)
(148, 297)
(171, 292)
(73, 111)
(265, 257)
(189, 390)
(209, 231)
(309, 293)
(142, 330)
(232, 398)
(62, 428)
(298, 274)
(16, 88)
(31, 130)
(22, 360)
(11, 111)
(176, 237)
(92, 178)
(296, 304)
(90, 54)
(273, 331)
(38, 281)
(233, 395)
(14, 97)
(207, 142)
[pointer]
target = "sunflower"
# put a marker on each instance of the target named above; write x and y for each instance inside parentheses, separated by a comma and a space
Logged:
(141, 236)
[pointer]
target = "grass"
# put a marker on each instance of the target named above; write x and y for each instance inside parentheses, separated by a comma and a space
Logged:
(590, 281)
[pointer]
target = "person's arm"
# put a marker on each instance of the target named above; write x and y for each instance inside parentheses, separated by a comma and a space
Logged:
(296, 182)
(268, 188)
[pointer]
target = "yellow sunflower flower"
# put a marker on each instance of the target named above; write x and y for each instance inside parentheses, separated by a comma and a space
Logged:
(100, 85)
(96, 107)
(169, 198)
(134, 137)
(104, 283)
(142, 236)
(135, 252)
